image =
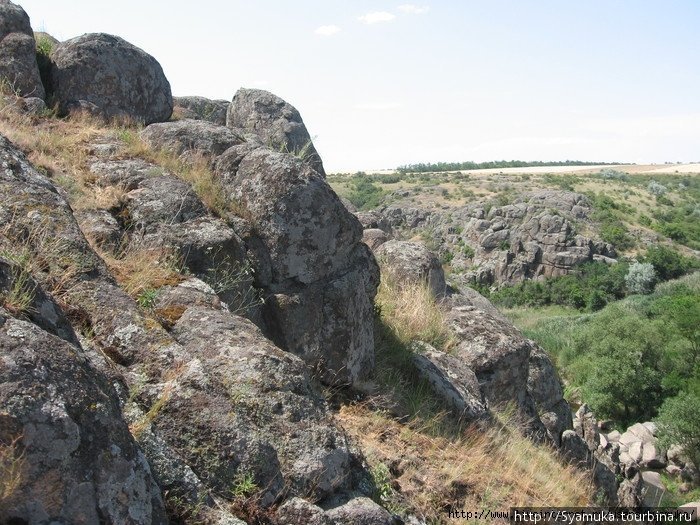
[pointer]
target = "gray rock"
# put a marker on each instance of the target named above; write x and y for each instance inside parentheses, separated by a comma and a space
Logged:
(201, 108)
(100, 227)
(18, 66)
(162, 199)
(308, 233)
(40, 308)
(111, 77)
(653, 489)
(276, 122)
(629, 494)
(238, 407)
(574, 448)
(614, 436)
(653, 456)
(411, 263)
(81, 462)
(361, 511)
(124, 173)
(297, 511)
(330, 323)
(544, 386)
(191, 137)
(451, 380)
(374, 238)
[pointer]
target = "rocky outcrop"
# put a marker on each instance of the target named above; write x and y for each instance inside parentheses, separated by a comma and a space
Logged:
(77, 461)
(191, 137)
(411, 263)
(18, 66)
(201, 108)
(207, 396)
(276, 122)
(535, 237)
(319, 278)
(109, 77)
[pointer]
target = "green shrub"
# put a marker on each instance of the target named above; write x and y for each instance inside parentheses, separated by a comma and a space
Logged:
(679, 424)
(364, 193)
(668, 263)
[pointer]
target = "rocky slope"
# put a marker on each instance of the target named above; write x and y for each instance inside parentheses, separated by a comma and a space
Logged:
(176, 302)
(534, 237)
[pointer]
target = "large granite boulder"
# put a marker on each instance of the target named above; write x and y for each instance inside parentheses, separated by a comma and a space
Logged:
(319, 278)
(411, 263)
(201, 108)
(18, 66)
(109, 77)
(62, 424)
(276, 122)
(191, 136)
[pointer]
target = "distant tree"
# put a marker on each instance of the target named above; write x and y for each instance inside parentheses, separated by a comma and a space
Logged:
(668, 263)
(679, 424)
(640, 278)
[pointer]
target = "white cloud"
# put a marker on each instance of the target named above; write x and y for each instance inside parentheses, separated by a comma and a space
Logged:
(376, 17)
(328, 30)
(412, 9)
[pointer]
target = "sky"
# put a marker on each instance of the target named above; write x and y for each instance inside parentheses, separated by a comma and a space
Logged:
(381, 84)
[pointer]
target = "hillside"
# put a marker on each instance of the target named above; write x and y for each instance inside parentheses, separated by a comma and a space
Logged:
(196, 328)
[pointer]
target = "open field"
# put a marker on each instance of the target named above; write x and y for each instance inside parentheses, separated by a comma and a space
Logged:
(648, 169)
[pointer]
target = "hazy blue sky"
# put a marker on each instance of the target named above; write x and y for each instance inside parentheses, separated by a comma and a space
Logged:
(383, 83)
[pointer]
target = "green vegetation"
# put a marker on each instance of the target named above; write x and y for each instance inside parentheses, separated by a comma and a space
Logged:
(364, 193)
(679, 424)
(494, 164)
(627, 360)
(609, 213)
(44, 47)
(591, 287)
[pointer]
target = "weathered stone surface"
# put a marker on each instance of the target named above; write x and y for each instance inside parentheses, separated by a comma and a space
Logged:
(276, 122)
(532, 238)
(109, 77)
(374, 238)
(36, 305)
(544, 386)
(574, 447)
(330, 323)
(653, 456)
(411, 263)
(361, 511)
(201, 108)
(586, 426)
(497, 353)
(80, 461)
(191, 137)
(162, 199)
(18, 66)
(629, 494)
(242, 405)
(100, 227)
(653, 488)
(452, 381)
(123, 173)
(302, 222)
(297, 511)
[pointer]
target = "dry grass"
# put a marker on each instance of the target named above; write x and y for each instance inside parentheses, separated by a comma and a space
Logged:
(61, 147)
(12, 472)
(139, 269)
(474, 469)
(195, 169)
(413, 314)
(145, 421)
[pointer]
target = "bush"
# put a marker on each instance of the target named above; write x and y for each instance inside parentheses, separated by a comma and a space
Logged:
(679, 424)
(364, 193)
(640, 278)
(656, 188)
(668, 263)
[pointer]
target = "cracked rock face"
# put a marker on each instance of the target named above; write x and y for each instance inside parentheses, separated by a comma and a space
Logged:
(276, 122)
(201, 108)
(18, 64)
(78, 463)
(110, 77)
(319, 277)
